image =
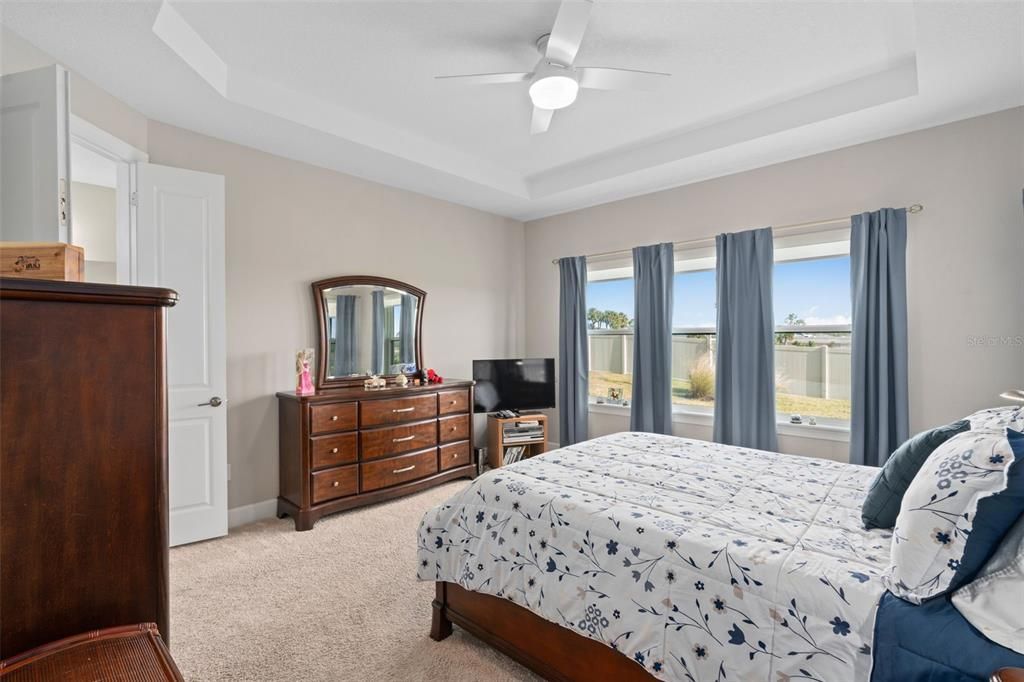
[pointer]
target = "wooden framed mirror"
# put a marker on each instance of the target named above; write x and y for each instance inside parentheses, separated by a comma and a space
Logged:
(368, 325)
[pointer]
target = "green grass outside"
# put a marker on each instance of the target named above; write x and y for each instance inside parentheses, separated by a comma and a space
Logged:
(785, 403)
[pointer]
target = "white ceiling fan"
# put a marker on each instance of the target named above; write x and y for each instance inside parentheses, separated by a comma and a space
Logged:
(555, 81)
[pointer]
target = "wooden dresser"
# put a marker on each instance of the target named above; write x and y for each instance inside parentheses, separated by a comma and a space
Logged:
(347, 447)
(83, 459)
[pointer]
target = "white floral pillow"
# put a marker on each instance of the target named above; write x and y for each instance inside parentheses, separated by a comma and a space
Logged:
(998, 419)
(937, 516)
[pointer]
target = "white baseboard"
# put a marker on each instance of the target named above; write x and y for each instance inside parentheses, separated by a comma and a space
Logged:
(239, 516)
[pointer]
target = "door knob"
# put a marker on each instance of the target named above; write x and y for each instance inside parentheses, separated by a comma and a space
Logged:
(215, 401)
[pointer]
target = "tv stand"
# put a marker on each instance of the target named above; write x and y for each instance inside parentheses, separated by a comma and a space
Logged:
(497, 445)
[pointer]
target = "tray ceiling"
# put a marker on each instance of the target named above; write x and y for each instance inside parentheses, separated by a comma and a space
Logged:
(350, 86)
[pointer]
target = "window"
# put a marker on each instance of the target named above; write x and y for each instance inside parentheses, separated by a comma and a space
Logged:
(610, 331)
(811, 293)
(812, 339)
(693, 336)
(393, 332)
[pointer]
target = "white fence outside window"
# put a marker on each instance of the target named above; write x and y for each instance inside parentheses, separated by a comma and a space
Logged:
(818, 371)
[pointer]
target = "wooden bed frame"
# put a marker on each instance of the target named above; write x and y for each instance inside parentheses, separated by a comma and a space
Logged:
(553, 652)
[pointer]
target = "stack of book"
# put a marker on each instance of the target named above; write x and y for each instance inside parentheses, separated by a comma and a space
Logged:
(522, 431)
(514, 454)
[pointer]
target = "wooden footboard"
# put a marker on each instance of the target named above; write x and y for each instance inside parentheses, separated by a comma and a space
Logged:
(553, 652)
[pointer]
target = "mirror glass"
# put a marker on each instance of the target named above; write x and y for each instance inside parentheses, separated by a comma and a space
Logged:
(370, 330)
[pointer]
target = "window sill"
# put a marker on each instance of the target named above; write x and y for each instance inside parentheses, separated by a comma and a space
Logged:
(840, 434)
(829, 432)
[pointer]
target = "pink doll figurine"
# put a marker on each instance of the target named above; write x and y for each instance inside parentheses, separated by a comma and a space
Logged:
(304, 383)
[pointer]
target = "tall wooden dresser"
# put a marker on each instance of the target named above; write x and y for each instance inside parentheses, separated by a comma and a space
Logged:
(346, 447)
(83, 459)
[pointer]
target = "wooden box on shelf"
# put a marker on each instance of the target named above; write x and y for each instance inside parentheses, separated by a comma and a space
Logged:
(497, 444)
(42, 260)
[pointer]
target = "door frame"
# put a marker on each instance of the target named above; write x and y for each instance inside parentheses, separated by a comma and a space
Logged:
(125, 156)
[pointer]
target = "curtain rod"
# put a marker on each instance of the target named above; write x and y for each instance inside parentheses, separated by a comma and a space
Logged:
(913, 208)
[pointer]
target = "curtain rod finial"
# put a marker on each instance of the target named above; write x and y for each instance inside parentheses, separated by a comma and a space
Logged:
(915, 208)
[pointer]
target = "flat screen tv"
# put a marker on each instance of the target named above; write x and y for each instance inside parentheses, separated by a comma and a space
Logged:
(522, 384)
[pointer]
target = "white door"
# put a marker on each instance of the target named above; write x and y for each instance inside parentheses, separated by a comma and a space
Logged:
(35, 157)
(180, 245)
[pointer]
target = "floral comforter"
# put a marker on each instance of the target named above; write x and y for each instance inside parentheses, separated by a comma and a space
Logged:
(697, 560)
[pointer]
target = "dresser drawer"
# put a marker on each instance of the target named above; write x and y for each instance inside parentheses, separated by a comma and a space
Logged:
(392, 440)
(330, 451)
(453, 428)
(454, 455)
(331, 483)
(453, 402)
(332, 417)
(398, 410)
(388, 472)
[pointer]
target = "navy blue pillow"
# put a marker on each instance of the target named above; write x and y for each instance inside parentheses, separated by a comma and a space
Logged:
(882, 504)
(994, 517)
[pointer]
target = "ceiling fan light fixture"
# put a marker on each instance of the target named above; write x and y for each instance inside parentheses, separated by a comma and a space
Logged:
(554, 92)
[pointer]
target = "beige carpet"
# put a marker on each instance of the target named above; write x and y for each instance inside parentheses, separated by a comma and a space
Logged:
(340, 602)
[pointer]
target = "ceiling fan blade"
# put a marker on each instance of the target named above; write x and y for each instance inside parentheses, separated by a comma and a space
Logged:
(488, 78)
(541, 120)
(567, 33)
(604, 78)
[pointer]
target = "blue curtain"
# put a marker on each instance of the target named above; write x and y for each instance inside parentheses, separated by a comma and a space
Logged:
(653, 269)
(345, 336)
(377, 356)
(407, 340)
(573, 350)
(745, 368)
(879, 420)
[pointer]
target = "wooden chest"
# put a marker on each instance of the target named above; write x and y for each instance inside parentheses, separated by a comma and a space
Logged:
(346, 447)
(83, 453)
(42, 260)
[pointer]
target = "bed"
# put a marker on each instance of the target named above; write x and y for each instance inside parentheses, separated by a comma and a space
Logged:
(641, 556)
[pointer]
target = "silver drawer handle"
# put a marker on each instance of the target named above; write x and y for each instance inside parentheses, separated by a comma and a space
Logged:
(336, 484)
(334, 417)
(334, 451)
(452, 402)
(404, 409)
(404, 469)
(404, 439)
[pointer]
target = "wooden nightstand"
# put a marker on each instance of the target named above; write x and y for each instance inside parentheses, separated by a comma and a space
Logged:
(122, 654)
(1008, 675)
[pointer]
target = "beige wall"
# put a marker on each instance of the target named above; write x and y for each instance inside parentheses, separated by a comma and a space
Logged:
(964, 255)
(289, 224)
(94, 216)
(87, 100)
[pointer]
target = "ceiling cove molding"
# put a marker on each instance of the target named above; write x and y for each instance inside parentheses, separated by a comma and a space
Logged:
(896, 81)
(250, 90)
